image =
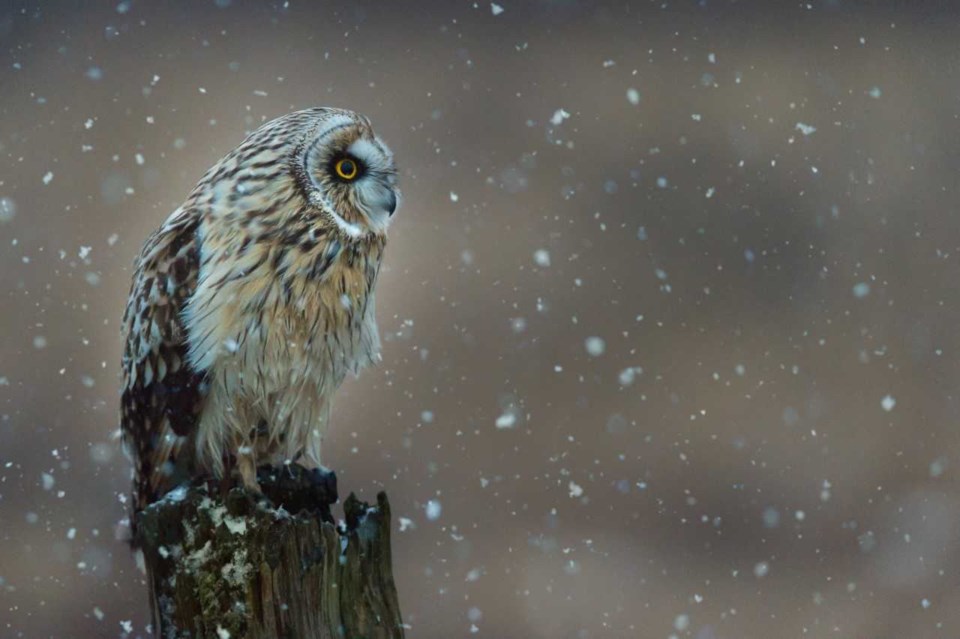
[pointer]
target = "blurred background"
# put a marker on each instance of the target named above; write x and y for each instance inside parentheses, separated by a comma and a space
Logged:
(669, 310)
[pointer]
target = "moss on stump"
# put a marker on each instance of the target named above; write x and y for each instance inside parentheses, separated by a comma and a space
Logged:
(239, 566)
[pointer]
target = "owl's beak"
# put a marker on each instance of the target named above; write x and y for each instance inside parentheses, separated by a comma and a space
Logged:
(380, 201)
(391, 203)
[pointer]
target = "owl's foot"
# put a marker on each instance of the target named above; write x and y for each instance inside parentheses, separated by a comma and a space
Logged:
(296, 488)
(324, 482)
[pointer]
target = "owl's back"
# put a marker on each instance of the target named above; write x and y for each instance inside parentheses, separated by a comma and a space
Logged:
(162, 394)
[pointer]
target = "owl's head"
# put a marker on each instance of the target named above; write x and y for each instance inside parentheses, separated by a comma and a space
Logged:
(347, 173)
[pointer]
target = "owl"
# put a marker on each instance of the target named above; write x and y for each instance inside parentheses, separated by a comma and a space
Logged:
(253, 301)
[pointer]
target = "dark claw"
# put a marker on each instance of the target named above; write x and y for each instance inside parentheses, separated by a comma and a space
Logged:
(325, 483)
(295, 488)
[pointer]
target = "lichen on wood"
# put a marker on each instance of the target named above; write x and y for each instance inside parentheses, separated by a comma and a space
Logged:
(271, 566)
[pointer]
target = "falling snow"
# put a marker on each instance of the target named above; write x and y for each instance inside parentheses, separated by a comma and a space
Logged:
(595, 346)
(433, 510)
(666, 315)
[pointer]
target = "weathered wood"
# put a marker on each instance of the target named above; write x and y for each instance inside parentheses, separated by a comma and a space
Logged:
(245, 567)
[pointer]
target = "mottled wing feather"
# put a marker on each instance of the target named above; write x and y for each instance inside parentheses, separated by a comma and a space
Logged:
(162, 395)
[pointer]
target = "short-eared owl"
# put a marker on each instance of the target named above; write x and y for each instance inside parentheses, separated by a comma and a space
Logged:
(253, 301)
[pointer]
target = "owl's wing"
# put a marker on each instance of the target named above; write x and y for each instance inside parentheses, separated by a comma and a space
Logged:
(162, 395)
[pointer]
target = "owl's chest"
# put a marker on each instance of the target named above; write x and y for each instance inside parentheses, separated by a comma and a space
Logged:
(287, 322)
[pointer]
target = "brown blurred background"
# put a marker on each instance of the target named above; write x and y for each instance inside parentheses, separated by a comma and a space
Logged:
(678, 360)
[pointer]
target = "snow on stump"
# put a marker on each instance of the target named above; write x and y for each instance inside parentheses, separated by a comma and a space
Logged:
(240, 568)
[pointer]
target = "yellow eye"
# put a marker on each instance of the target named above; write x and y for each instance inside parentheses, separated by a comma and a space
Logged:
(346, 169)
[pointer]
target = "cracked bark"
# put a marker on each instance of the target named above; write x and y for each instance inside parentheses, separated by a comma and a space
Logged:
(234, 566)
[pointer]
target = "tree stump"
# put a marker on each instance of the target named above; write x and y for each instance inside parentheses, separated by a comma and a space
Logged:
(239, 566)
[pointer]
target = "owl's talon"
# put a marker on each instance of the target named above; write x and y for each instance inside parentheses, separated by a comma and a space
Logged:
(324, 481)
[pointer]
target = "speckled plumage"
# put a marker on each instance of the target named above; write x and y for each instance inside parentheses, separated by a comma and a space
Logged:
(253, 301)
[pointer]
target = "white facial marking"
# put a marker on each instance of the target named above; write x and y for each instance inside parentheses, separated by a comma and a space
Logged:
(374, 192)
(369, 154)
(319, 201)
